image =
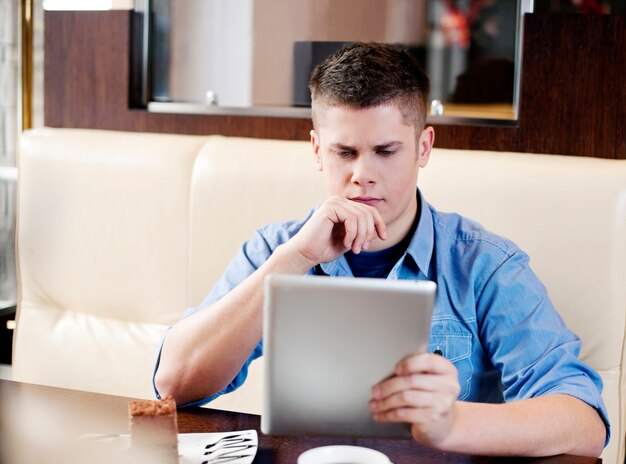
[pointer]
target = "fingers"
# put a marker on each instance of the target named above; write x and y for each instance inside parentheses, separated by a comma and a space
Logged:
(363, 225)
(437, 402)
(404, 398)
(424, 372)
(424, 388)
(338, 226)
(425, 363)
(418, 382)
(360, 229)
(412, 406)
(379, 223)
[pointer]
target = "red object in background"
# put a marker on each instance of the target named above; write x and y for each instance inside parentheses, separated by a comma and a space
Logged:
(456, 23)
(455, 28)
(592, 7)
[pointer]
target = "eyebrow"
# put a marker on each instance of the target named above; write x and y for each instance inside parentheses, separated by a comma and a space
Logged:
(341, 146)
(388, 146)
(381, 147)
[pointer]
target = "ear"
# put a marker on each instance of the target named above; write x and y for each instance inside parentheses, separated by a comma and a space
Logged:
(425, 146)
(315, 142)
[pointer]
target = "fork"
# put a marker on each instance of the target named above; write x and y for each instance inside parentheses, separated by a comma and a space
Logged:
(229, 444)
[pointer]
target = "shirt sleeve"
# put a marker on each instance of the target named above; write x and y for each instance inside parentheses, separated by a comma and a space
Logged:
(529, 343)
(250, 257)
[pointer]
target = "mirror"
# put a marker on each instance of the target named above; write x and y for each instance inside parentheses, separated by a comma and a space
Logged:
(254, 57)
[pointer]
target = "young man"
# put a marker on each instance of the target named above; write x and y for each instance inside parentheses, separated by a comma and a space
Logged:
(505, 378)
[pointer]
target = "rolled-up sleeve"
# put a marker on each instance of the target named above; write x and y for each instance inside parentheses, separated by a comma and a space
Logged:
(251, 256)
(529, 343)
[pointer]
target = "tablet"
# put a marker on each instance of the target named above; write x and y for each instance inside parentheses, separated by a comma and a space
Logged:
(328, 340)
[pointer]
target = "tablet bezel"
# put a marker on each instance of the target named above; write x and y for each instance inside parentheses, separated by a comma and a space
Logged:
(318, 383)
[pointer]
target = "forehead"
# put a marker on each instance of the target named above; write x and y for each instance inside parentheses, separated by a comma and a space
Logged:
(373, 125)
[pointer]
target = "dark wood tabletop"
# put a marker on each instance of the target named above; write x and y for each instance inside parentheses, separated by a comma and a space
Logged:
(30, 412)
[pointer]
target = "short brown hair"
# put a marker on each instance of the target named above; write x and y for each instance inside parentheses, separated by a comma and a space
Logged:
(364, 75)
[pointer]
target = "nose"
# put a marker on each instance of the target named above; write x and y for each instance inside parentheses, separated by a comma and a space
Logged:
(364, 171)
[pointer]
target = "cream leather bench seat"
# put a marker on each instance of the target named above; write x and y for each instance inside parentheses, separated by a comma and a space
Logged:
(118, 233)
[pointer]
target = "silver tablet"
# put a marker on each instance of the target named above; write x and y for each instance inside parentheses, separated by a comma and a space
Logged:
(328, 340)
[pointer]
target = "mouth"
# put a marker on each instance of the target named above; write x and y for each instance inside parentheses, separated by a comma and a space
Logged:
(370, 201)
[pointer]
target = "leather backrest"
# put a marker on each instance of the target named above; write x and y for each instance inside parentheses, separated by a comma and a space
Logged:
(102, 246)
(118, 233)
(239, 185)
(569, 215)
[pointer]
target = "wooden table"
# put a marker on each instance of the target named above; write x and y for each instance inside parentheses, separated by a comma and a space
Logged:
(29, 412)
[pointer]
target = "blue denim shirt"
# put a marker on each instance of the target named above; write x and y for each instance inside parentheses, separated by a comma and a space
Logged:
(492, 318)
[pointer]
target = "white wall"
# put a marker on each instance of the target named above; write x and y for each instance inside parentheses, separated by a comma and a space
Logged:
(211, 49)
(278, 23)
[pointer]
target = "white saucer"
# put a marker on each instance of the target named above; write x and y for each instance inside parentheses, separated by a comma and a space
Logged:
(343, 454)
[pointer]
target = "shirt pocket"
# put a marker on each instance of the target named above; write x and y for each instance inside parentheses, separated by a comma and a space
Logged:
(450, 338)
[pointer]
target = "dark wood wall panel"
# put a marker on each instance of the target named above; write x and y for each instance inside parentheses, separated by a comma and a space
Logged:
(573, 91)
(86, 69)
(577, 98)
(572, 100)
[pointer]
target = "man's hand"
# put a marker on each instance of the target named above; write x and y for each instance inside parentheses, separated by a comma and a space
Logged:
(423, 392)
(336, 227)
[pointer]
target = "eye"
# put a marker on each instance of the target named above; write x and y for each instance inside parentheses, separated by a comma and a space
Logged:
(345, 153)
(385, 153)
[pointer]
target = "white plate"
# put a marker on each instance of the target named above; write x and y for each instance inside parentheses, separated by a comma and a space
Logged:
(343, 454)
(237, 447)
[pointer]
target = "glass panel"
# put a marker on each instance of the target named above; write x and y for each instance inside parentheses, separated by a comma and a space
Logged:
(471, 57)
(235, 54)
(9, 124)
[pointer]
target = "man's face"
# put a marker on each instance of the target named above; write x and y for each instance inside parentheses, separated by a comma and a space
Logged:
(371, 156)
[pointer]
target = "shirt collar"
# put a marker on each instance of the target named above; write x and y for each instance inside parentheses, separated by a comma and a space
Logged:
(422, 244)
(420, 248)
